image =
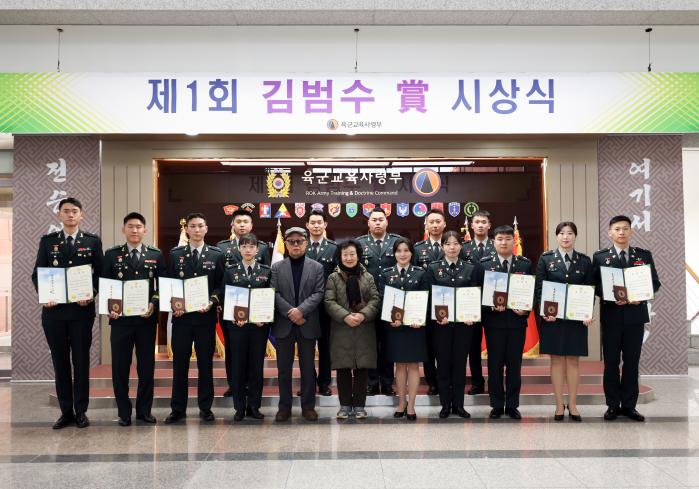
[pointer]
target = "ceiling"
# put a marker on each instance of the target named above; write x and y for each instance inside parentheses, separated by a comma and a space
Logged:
(350, 12)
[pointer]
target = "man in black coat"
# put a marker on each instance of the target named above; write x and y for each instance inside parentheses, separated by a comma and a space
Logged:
(622, 322)
(68, 327)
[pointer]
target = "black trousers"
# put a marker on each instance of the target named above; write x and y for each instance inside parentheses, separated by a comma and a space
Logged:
(123, 339)
(324, 375)
(69, 342)
(429, 367)
(451, 344)
(383, 373)
(505, 346)
(204, 338)
(227, 360)
(351, 386)
(474, 357)
(248, 346)
(621, 343)
(285, 363)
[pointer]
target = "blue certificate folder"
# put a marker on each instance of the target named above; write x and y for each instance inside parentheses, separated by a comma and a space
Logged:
(553, 292)
(52, 285)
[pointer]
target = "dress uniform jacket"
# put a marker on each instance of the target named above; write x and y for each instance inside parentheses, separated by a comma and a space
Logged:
(68, 327)
(231, 253)
(425, 253)
(470, 250)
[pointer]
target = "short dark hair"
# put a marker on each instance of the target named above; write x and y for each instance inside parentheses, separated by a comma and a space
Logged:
(377, 209)
(569, 224)
(134, 215)
(504, 230)
(72, 201)
(437, 211)
(315, 212)
(241, 212)
(404, 241)
(347, 244)
(617, 219)
(194, 215)
(248, 238)
(481, 213)
(450, 234)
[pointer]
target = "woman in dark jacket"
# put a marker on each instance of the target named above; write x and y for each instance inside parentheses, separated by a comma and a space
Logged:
(564, 340)
(407, 345)
(352, 302)
(452, 340)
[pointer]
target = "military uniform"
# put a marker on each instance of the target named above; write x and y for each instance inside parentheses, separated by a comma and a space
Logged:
(471, 250)
(68, 327)
(377, 257)
(452, 341)
(196, 327)
(622, 329)
(128, 332)
(405, 344)
(326, 255)
(562, 336)
(231, 255)
(505, 333)
(248, 342)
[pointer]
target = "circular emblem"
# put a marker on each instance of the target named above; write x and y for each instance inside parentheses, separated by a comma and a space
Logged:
(115, 307)
(420, 209)
(622, 294)
(55, 263)
(278, 183)
(551, 310)
(181, 274)
(499, 301)
(179, 305)
(240, 315)
(470, 209)
(426, 182)
(441, 314)
(332, 124)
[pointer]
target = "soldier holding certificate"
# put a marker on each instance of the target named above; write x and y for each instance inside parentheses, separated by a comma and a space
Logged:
(134, 260)
(68, 326)
(565, 340)
(452, 339)
(196, 259)
(622, 321)
(505, 330)
(248, 340)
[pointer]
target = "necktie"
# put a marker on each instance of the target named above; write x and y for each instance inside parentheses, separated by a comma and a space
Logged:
(436, 247)
(452, 267)
(567, 260)
(505, 265)
(480, 248)
(195, 256)
(69, 242)
(316, 245)
(402, 273)
(622, 256)
(249, 270)
(378, 243)
(134, 257)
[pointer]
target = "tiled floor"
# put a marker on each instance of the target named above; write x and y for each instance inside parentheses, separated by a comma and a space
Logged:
(381, 452)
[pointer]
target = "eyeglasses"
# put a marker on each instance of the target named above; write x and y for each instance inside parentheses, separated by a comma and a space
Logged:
(296, 242)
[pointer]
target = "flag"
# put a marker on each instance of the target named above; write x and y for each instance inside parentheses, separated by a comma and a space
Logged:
(426, 235)
(182, 242)
(467, 233)
(531, 342)
(277, 256)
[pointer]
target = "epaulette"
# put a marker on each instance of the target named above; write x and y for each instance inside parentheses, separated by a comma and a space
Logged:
(603, 250)
(331, 241)
(548, 253)
(637, 249)
(262, 265)
(115, 247)
(225, 241)
(522, 257)
(486, 258)
(394, 235)
(152, 248)
(92, 235)
(54, 234)
(417, 267)
(421, 242)
(178, 247)
(214, 248)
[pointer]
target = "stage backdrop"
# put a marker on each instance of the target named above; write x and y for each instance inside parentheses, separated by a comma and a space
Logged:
(47, 169)
(641, 176)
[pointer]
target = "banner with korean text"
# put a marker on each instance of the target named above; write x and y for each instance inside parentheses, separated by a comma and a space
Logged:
(354, 103)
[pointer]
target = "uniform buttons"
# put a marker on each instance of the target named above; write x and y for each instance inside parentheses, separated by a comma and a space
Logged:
(70, 262)
(195, 274)
(136, 273)
(452, 280)
(248, 286)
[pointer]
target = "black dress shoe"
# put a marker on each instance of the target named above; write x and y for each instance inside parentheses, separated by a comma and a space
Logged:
(372, 390)
(411, 417)
(432, 390)
(460, 411)
(559, 417)
(633, 414)
(63, 421)
(575, 417)
(611, 413)
(298, 393)
(495, 413)
(513, 413)
(445, 412)
(475, 390)
(207, 415)
(146, 418)
(239, 415)
(400, 414)
(387, 390)
(228, 393)
(282, 416)
(254, 413)
(125, 421)
(324, 390)
(81, 420)
(174, 417)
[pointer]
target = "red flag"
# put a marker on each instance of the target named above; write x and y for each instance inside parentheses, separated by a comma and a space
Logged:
(531, 342)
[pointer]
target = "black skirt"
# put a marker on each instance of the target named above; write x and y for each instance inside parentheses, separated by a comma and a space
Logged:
(563, 337)
(406, 344)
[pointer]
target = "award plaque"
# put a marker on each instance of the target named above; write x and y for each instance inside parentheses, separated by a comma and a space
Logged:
(177, 304)
(441, 312)
(241, 313)
(620, 293)
(551, 308)
(396, 314)
(499, 298)
(114, 305)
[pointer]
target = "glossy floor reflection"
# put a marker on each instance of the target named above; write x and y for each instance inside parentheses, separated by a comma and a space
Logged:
(379, 452)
